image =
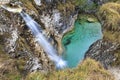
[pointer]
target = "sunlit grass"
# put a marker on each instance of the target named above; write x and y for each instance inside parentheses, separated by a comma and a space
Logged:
(110, 15)
(87, 70)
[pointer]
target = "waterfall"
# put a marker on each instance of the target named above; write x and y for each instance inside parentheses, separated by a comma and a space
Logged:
(48, 48)
(38, 2)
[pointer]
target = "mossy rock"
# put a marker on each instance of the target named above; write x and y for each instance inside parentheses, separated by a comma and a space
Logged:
(87, 17)
(91, 20)
(86, 5)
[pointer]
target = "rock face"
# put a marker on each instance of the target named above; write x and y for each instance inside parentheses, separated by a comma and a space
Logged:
(103, 51)
(17, 41)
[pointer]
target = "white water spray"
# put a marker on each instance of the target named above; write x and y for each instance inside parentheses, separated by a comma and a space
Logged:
(37, 32)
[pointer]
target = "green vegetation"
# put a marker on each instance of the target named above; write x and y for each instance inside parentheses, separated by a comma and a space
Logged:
(86, 17)
(69, 5)
(10, 69)
(85, 5)
(87, 70)
(29, 5)
(117, 61)
(109, 14)
(112, 36)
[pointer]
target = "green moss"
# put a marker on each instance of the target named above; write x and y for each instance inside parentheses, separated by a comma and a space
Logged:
(29, 5)
(12, 76)
(80, 2)
(36, 76)
(87, 70)
(69, 5)
(85, 5)
(86, 17)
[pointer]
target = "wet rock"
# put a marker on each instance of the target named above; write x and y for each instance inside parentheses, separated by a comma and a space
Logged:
(91, 20)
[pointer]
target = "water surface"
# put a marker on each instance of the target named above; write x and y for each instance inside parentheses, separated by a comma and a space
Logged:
(78, 41)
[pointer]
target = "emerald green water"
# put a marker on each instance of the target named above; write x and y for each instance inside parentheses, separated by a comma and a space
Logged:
(78, 41)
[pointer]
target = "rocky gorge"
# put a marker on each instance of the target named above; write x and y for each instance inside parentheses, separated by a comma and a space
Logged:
(22, 58)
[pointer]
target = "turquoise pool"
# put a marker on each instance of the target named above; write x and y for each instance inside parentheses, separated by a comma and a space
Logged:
(78, 41)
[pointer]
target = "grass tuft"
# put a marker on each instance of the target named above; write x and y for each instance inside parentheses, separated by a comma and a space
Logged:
(88, 70)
